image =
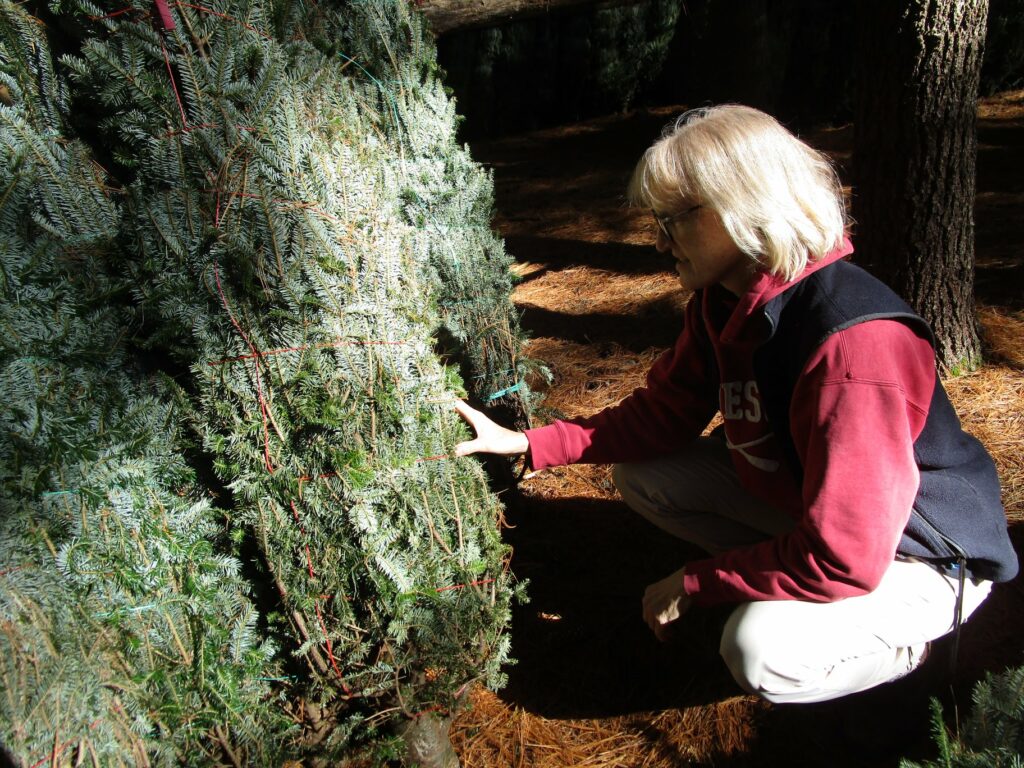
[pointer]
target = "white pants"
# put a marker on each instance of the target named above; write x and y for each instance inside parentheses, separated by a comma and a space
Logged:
(791, 651)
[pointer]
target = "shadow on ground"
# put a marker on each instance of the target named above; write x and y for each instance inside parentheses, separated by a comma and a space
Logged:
(583, 648)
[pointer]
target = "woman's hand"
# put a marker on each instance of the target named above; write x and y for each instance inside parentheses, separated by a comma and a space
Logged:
(490, 437)
(665, 602)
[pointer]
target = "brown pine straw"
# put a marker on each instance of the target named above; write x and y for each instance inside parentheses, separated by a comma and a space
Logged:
(990, 402)
(587, 378)
(492, 733)
(585, 290)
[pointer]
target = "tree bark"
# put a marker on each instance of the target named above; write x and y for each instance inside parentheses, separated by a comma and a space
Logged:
(915, 147)
(448, 15)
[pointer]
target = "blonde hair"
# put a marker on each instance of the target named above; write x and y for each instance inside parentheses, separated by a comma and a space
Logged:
(780, 201)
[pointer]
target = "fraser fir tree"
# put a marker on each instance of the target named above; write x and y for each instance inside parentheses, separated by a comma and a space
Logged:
(126, 638)
(300, 231)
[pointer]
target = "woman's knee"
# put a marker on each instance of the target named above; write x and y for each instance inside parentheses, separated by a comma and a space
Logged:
(639, 485)
(740, 651)
(662, 480)
(642, 486)
(760, 652)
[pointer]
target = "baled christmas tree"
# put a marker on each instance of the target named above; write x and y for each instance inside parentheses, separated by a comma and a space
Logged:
(300, 230)
(126, 637)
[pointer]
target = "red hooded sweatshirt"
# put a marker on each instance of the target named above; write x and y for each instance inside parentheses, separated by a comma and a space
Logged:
(859, 404)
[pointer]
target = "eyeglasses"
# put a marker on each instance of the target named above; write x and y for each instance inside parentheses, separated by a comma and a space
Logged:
(664, 221)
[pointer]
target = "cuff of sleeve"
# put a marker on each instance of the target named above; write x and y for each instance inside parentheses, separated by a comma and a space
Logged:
(546, 449)
(697, 584)
(691, 583)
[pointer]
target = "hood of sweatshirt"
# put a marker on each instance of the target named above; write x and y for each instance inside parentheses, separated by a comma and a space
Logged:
(766, 287)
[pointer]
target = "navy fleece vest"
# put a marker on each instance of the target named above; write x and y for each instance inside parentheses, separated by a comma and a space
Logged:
(957, 512)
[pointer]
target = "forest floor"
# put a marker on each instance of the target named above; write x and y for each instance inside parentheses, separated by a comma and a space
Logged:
(592, 687)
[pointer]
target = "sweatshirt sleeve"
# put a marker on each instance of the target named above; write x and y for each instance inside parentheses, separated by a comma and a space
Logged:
(857, 410)
(675, 405)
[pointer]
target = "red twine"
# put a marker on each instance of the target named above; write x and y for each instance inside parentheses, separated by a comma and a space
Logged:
(174, 85)
(330, 651)
(442, 457)
(463, 586)
(222, 16)
(200, 126)
(55, 753)
(167, 20)
(264, 410)
(113, 15)
(284, 201)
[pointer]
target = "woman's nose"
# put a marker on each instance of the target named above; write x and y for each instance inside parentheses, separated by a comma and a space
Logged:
(662, 243)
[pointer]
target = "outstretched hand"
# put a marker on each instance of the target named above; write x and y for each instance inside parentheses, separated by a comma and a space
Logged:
(490, 437)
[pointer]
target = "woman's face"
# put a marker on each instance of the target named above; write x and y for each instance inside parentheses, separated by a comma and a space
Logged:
(705, 254)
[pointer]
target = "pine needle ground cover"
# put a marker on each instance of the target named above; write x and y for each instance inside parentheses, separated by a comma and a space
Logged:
(593, 687)
(246, 270)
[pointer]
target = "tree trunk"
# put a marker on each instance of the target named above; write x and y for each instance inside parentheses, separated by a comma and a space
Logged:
(914, 159)
(447, 15)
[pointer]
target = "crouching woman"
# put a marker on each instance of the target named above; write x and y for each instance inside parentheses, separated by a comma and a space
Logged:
(844, 511)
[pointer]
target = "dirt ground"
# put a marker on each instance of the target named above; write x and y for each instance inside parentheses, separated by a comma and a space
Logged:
(592, 687)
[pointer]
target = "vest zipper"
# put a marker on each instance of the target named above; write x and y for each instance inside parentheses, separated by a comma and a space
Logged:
(959, 567)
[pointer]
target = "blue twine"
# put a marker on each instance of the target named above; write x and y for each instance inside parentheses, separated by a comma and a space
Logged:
(383, 90)
(507, 391)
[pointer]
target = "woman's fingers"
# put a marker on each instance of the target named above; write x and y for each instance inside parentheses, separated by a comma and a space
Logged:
(467, 412)
(490, 437)
(467, 448)
(476, 420)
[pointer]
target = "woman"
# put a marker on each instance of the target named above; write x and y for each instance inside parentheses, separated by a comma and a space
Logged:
(845, 512)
